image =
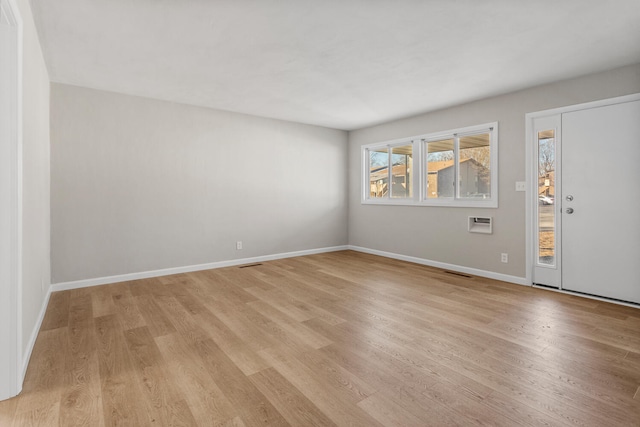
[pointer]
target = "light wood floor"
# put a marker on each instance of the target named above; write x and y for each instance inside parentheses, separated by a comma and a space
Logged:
(335, 339)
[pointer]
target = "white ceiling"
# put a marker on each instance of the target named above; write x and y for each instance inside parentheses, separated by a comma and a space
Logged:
(344, 64)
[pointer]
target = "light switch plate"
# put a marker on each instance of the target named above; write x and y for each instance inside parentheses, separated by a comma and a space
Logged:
(521, 186)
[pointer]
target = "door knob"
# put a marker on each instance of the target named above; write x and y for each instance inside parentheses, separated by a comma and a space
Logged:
(569, 210)
(569, 197)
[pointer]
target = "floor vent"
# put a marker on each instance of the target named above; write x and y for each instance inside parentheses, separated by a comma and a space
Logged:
(455, 273)
(249, 265)
(540, 285)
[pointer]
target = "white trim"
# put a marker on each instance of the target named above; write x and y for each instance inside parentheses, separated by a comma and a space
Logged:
(389, 145)
(531, 187)
(63, 286)
(460, 203)
(453, 267)
(593, 297)
(34, 334)
(584, 106)
(19, 124)
(11, 112)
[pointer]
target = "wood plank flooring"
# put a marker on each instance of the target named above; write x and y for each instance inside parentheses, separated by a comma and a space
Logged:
(343, 338)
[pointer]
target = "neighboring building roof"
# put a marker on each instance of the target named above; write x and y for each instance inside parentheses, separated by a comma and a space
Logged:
(444, 164)
(437, 166)
(381, 172)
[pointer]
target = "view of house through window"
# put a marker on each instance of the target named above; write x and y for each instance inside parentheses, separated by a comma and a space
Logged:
(379, 172)
(440, 169)
(455, 169)
(396, 182)
(402, 161)
(473, 167)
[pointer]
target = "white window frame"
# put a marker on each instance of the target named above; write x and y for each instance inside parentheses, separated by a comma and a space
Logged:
(419, 175)
(389, 145)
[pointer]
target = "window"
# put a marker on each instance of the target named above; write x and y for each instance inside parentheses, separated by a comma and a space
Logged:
(440, 165)
(453, 168)
(390, 174)
(546, 196)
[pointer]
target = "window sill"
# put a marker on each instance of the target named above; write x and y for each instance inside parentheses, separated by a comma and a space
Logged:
(491, 204)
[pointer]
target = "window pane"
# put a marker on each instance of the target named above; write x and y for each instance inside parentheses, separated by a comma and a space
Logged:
(379, 173)
(474, 171)
(401, 171)
(440, 170)
(546, 195)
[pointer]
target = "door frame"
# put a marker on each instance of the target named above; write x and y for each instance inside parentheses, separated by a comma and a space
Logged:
(11, 201)
(531, 168)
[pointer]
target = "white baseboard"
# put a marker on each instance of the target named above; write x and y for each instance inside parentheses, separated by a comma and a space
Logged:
(63, 286)
(34, 335)
(230, 263)
(453, 267)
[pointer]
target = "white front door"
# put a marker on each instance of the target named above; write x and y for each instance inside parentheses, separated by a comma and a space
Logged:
(586, 198)
(601, 201)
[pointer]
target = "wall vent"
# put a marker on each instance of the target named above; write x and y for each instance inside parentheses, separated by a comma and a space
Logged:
(480, 224)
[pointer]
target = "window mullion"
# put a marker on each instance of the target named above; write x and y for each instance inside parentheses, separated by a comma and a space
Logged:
(423, 169)
(390, 173)
(418, 171)
(367, 165)
(456, 166)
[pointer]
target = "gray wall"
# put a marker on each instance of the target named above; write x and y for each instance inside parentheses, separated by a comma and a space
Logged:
(36, 276)
(140, 185)
(440, 233)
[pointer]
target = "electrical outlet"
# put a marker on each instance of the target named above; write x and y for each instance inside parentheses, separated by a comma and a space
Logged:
(521, 186)
(504, 257)
(239, 245)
